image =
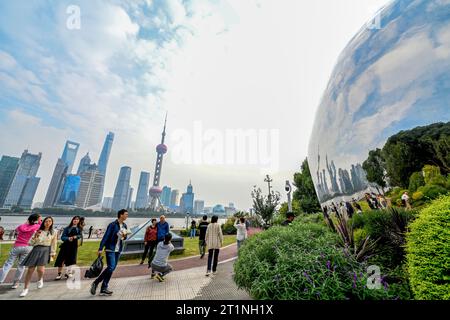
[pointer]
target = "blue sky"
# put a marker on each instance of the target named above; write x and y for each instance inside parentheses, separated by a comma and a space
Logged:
(230, 64)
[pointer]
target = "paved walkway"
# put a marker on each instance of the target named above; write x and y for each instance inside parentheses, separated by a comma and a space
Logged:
(185, 284)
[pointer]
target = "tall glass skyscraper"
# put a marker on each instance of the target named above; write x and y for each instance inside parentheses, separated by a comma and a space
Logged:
(69, 154)
(142, 198)
(187, 200)
(8, 168)
(91, 182)
(20, 193)
(122, 189)
(56, 184)
(104, 157)
(85, 162)
(70, 191)
(165, 196)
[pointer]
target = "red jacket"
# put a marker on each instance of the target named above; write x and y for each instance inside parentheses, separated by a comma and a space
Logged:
(151, 234)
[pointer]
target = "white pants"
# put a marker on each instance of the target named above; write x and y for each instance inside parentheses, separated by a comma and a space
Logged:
(19, 253)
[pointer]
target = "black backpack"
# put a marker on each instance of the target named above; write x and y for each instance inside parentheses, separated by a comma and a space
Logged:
(95, 269)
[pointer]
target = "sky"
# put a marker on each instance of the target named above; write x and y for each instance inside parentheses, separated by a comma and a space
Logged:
(387, 80)
(253, 69)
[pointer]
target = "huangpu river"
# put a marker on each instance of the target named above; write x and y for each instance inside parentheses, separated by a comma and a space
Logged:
(11, 222)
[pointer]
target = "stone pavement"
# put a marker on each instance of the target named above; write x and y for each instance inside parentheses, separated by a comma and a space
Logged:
(179, 285)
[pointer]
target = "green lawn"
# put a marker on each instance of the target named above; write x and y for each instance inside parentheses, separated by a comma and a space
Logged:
(88, 251)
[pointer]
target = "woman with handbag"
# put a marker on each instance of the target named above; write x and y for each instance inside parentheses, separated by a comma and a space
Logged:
(69, 248)
(44, 243)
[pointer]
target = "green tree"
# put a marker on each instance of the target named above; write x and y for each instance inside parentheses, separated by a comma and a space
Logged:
(375, 168)
(264, 206)
(305, 193)
(416, 181)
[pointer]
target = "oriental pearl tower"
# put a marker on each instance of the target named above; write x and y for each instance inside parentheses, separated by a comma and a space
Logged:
(155, 190)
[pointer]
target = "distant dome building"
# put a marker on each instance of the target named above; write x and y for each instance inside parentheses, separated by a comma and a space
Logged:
(219, 209)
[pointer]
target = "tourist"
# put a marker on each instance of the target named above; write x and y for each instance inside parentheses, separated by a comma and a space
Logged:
(193, 229)
(369, 201)
(159, 263)
(2, 232)
(91, 228)
(20, 249)
(202, 226)
(81, 226)
(241, 234)
(163, 228)
(290, 216)
(150, 242)
(214, 241)
(67, 254)
(112, 242)
(350, 210)
(357, 206)
(405, 200)
(44, 243)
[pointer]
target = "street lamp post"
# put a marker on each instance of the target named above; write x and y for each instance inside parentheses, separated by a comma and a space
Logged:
(288, 189)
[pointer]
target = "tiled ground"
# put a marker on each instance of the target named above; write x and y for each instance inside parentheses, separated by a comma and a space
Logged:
(179, 285)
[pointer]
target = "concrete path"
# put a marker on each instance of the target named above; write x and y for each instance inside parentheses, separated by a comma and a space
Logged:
(184, 284)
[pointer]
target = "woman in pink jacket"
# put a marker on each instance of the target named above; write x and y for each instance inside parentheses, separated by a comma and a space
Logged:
(21, 248)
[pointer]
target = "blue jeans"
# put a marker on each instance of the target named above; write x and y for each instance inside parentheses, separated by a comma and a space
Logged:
(112, 258)
(192, 235)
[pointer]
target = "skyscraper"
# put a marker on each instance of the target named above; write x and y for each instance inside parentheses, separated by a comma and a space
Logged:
(69, 154)
(107, 203)
(121, 191)
(85, 162)
(8, 168)
(142, 191)
(130, 195)
(91, 182)
(70, 190)
(199, 205)
(174, 198)
(165, 196)
(56, 184)
(187, 200)
(155, 190)
(24, 185)
(104, 157)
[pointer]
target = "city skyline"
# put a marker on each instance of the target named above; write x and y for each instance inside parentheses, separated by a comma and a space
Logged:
(60, 84)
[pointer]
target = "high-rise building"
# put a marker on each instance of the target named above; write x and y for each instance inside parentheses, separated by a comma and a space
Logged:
(187, 200)
(107, 203)
(85, 162)
(122, 189)
(199, 206)
(70, 190)
(142, 191)
(130, 195)
(24, 185)
(165, 196)
(8, 168)
(104, 157)
(56, 184)
(174, 198)
(69, 154)
(91, 182)
(155, 190)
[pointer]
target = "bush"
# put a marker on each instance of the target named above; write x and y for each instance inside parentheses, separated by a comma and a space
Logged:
(428, 252)
(417, 196)
(228, 227)
(430, 173)
(302, 261)
(415, 181)
(432, 192)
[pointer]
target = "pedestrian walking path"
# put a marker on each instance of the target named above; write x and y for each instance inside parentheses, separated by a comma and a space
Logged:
(186, 284)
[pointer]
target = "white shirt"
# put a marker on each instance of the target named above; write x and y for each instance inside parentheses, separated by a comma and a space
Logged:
(405, 197)
(120, 234)
(241, 231)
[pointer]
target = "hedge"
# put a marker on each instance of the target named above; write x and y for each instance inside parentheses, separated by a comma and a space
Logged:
(428, 252)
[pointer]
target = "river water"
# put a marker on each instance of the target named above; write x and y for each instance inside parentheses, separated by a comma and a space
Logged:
(11, 222)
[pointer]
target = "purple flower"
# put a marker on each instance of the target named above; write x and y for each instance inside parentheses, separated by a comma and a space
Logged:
(307, 277)
(355, 278)
(329, 265)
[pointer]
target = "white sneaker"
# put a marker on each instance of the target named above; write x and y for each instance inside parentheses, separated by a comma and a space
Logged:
(40, 284)
(15, 285)
(214, 273)
(208, 273)
(24, 293)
